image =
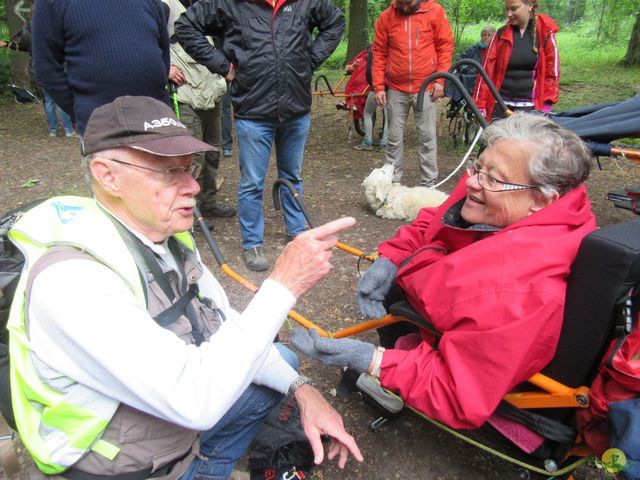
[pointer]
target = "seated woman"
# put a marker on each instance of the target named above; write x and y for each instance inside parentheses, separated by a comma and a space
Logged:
(488, 269)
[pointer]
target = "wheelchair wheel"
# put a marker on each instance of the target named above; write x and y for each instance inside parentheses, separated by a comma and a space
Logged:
(471, 127)
(358, 124)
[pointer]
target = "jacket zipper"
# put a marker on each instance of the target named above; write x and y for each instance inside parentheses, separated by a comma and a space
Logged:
(408, 259)
(410, 23)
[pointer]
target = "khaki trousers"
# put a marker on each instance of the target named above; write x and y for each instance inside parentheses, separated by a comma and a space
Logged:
(398, 106)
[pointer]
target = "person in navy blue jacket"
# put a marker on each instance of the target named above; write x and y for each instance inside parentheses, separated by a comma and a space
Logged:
(87, 53)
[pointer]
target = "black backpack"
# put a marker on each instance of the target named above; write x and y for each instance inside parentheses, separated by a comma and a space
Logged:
(11, 262)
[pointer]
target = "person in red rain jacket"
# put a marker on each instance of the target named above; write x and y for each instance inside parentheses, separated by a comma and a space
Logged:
(522, 61)
(488, 269)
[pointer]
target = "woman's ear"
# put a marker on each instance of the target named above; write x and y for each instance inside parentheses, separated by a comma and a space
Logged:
(540, 201)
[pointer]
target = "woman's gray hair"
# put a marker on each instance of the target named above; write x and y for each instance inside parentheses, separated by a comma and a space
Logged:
(487, 29)
(559, 160)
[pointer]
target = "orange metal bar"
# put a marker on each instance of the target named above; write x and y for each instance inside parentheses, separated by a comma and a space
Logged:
(368, 325)
(354, 251)
(631, 154)
(554, 394)
(292, 314)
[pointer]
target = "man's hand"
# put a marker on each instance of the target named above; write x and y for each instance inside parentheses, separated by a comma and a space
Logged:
(3, 44)
(231, 74)
(319, 418)
(306, 260)
(176, 76)
(335, 352)
(437, 91)
(374, 286)
(381, 98)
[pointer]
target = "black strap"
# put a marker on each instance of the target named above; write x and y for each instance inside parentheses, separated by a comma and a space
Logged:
(169, 315)
(145, 260)
(74, 474)
(547, 427)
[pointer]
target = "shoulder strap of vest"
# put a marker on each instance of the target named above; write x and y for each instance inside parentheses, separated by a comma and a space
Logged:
(147, 262)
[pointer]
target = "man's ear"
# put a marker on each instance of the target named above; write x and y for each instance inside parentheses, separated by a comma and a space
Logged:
(541, 201)
(104, 173)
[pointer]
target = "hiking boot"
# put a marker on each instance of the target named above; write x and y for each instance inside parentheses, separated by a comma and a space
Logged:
(254, 259)
(383, 146)
(227, 152)
(71, 134)
(53, 134)
(220, 210)
(364, 145)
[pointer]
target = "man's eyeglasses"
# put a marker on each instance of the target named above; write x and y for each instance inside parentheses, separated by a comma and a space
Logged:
(171, 172)
(487, 182)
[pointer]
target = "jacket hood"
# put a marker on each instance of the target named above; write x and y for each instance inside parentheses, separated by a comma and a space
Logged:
(573, 209)
(546, 23)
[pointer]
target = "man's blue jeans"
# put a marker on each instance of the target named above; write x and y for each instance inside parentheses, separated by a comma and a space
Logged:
(225, 443)
(255, 139)
(51, 111)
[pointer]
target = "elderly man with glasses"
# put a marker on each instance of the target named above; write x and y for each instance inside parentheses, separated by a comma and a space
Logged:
(127, 361)
(488, 269)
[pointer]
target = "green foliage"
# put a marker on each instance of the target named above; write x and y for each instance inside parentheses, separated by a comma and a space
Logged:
(463, 13)
(337, 59)
(590, 68)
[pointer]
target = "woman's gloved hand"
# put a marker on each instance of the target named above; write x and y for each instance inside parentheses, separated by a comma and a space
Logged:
(374, 286)
(337, 352)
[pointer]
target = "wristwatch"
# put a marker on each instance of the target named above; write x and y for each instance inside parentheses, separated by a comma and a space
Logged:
(297, 383)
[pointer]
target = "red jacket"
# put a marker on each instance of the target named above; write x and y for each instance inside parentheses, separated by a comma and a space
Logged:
(496, 297)
(409, 48)
(546, 75)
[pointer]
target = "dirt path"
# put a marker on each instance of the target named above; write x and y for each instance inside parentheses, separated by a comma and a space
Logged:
(33, 165)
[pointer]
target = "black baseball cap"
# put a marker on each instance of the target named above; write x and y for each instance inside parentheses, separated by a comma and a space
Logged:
(141, 123)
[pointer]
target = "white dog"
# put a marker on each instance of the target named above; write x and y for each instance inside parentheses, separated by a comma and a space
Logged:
(397, 202)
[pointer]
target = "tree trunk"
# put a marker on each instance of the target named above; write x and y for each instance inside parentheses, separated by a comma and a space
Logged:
(575, 10)
(358, 28)
(633, 50)
(18, 12)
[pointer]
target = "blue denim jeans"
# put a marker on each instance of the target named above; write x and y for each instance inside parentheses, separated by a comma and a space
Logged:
(51, 111)
(255, 139)
(225, 443)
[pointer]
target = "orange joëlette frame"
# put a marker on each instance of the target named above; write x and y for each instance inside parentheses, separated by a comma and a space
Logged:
(552, 395)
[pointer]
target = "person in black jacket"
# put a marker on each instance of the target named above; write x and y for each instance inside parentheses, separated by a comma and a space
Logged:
(268, 54)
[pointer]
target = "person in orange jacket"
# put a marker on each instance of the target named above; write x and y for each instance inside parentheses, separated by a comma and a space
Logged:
(522, 61)
(413, 39)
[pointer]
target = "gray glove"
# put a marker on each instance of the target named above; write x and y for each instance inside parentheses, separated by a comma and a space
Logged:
(338, 352)
(374, 286)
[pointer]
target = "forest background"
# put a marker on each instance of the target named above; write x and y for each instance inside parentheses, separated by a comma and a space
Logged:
(599, 42)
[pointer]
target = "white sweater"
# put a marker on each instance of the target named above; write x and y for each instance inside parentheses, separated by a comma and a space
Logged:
(86, 324)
